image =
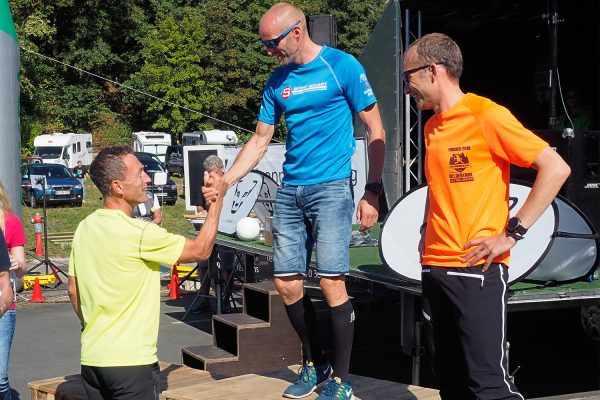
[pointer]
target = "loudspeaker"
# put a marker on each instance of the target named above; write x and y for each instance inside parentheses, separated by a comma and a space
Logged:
(322, 29)
(584, 189)
(582, 153)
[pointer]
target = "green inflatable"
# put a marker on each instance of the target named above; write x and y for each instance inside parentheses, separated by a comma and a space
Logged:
(10, 138)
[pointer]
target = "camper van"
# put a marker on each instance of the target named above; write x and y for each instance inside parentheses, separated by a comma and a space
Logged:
(152, 142)
(209, 137)
(64, 148)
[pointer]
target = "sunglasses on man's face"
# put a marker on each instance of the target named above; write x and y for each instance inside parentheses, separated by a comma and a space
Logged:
(273, 43)
(406, 74)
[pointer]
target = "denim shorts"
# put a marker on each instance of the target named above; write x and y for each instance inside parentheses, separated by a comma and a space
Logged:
(310, 216)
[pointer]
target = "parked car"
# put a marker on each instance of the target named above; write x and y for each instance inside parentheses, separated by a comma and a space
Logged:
(61, 186)
(167, 193)
(174, 160)
(139, 154)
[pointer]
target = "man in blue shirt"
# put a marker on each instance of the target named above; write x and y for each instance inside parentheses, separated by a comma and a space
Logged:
(318, 89)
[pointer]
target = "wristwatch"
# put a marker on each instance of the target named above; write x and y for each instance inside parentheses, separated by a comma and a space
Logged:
(374, 187)
(515, 229)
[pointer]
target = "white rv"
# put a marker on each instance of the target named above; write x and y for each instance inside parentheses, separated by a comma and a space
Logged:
(152, 142)
(214, 136)
(64, 148)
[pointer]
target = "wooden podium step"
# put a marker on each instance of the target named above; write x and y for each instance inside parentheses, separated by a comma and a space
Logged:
(259, 339)
(270, 386)
(201, 357)
(240, 321)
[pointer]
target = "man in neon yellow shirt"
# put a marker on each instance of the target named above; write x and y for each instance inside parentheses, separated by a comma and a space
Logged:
(114, 281)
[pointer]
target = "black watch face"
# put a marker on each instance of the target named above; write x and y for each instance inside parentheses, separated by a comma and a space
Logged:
(513, 224)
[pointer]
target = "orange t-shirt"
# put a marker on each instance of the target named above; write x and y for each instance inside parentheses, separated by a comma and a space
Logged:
(469, 151)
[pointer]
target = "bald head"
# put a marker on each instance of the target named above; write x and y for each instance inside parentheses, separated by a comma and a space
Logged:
(279, 18)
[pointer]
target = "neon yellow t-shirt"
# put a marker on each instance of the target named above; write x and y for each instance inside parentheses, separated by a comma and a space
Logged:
(115, 259)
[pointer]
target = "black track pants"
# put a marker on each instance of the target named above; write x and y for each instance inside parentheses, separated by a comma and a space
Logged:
(468, 314)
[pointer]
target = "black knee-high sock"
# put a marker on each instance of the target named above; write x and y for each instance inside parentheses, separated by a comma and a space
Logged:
(303, 318)
(342, 323)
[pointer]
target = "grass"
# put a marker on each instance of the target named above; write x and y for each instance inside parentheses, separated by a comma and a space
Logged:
(66, 218)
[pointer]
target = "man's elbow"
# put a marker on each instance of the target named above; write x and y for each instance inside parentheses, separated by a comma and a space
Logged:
(562, 171)
(199, 253)
(72, 294)
(566, 171)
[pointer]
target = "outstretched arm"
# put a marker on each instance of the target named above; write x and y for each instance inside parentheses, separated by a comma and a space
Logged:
(200, 248)
(252, 152)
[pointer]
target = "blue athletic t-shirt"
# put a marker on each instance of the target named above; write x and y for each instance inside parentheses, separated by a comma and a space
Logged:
(319, 100)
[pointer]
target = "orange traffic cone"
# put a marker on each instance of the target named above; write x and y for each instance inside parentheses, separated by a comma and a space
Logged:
(174, 284)
(37, 297)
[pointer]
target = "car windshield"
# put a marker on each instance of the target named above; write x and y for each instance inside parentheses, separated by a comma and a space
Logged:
(51, 171)
(158, 149)
(48, 151)
(151, 165)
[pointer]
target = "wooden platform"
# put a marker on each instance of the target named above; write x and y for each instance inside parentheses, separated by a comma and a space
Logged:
(183, 383)
(270, 386)
(70, 387)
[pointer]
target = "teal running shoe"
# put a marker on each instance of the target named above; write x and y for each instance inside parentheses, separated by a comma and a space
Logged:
(309, 377)
(335, 389)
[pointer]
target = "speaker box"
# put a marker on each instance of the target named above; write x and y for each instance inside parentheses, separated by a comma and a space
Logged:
(582, 153)
(322, 29)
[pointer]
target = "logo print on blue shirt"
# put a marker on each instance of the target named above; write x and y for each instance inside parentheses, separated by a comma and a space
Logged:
(287, 92)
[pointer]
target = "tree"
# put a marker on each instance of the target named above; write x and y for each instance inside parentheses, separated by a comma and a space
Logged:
(237, 60)
(173, 57)
(86, 35)
(201, 54)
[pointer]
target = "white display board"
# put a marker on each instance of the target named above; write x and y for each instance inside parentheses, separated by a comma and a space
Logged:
(399, 242)
(272, 165)
(193, 159)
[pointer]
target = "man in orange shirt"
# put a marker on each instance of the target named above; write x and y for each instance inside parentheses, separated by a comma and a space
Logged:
(470, 144)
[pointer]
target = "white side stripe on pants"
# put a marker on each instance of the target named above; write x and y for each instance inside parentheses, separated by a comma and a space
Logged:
(503, 350)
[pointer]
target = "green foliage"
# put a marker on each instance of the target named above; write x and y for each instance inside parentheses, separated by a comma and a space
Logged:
(173, 57)
(33, 128)
(356, 20)
(203, 55)
(237, 60)
(110, 131)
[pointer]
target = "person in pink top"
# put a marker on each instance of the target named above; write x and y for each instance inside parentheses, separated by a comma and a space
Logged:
(14, 235)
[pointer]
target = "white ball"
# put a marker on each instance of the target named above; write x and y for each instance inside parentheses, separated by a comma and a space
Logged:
(247, 228)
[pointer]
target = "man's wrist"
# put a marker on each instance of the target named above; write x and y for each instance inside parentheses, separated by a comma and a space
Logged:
(515, 228)
(514, 236)
(374, 187)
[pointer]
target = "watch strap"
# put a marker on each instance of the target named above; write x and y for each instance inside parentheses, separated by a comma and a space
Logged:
(515, 235)
(374, 187)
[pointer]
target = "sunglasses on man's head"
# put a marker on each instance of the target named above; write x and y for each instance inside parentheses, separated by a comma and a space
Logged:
(273, 43)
